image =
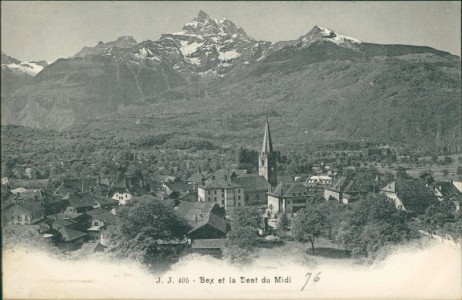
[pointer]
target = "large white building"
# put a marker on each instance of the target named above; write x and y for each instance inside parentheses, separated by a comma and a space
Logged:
(225, 193)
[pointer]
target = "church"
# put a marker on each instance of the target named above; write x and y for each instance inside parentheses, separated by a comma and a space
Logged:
(244, 189)
(267, 160)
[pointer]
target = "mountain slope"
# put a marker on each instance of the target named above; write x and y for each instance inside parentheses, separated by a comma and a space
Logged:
(212, 81)
(402, 95)
(84, 88)
(16, 74)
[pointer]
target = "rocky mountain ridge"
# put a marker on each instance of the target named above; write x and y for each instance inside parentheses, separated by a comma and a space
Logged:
(328, 83)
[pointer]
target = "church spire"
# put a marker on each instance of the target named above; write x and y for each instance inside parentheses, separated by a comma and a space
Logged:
(267, 147)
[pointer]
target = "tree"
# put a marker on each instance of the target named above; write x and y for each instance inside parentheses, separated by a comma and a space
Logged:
(447, 160)
(241, 243)
(437, 216)
(308, 225)
(242, 239)
(427, 176)
(283, 222)
(141, 225)
(459, 170)
(401, 173)
(445, 172)
(372, 224)
(246, 217)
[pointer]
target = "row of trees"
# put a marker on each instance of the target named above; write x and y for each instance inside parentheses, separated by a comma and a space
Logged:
(362, 228)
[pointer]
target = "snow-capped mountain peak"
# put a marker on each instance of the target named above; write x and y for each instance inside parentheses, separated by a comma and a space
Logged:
(319, 33)
(203, 25)
(22, 67)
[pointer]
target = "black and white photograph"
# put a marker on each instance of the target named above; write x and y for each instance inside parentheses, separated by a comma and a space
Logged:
(231, 150)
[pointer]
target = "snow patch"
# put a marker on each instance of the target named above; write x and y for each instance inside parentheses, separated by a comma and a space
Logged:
(26, 67)
(188, 49)
(194, 60)
(228, 55)
(337, 38)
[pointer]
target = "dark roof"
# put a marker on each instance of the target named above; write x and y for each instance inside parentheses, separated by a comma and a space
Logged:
(228, 173)
(33, 195)
(414, 195)
(212, 220)
(29, 205)
(105, 201)
(285, 178)
(345, 185)
(81, 200)
(163, 178)
(448, 189)
(221, 184)
(29, 183)
(198, 177)
(208, 244)
(193, 212)
(81, 185)
(188, 197)
(178, 186)
(102, 215)
(252, 183)
(104, 181)
(70, 235)
(62, 222)
(120, 183)
(289, 189)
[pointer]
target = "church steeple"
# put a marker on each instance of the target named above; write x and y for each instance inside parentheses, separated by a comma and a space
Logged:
(267, 147)
(266, 159)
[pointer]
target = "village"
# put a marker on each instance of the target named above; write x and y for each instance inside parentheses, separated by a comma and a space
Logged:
(83, 212)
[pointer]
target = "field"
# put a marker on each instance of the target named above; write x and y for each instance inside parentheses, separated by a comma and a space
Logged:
(438, 170)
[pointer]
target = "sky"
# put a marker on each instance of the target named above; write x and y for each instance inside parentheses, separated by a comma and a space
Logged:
(51, 30)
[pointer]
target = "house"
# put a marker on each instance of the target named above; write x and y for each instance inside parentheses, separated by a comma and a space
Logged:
(227, 174)
(288, 196)
(104, 202)
(409, 195)
(23, 212)
(212, 247)
(343, 190)
(72, 220)
(121, 192)
(33, 194)
(80, 202)
(29, 183)
(255, 189)
(70, 239)
(198, 179)
(225, 193)
(98, 219)
(210, 227)
(318, 180)
(102, 187)
(188, 197)
(71, 185)
(164, 178)
(54, 204)
(19, 190)
(156, 187)
(447, 190)
(195, 212)
(177, 187)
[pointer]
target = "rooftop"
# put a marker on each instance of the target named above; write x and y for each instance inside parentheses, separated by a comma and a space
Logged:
(208, 244)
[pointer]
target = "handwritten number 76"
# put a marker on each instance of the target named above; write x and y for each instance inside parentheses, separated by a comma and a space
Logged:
(308, 276)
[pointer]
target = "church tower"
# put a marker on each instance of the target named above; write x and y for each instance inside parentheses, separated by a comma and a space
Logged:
(266, 159)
